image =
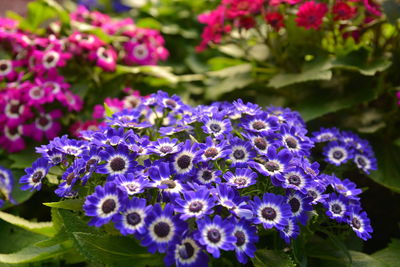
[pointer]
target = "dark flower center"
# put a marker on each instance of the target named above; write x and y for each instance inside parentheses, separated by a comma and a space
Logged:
(15, 108)
(241, 181)
(117, 164)
(291, 142)
(215, 128)
(211, 152)
(170, 183)
(50, 59)
(132, 187)
(214, 236)
(294, 180)
(338, 154)
(13, 131)
(184, 161)
(3, 67)
(162, 229)
(356, 223)
(104, 54)
(133, 218)
(108, 206)
(37, 176)
(207, 175)
(336, 208)
(240, 238)
(361, 161)
(259, 125)
(271, 166)
(294, 204)
(56, 159)
(166, 149)
(239, 154)
(195, 206)
(70, 178)
(340, 187)
(89, 164)
(171, 102)
(268, 213)
(43, 121)
(260, 143)
(186, 251)
(312, 194)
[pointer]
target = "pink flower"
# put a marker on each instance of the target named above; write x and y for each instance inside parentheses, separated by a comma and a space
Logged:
(14, 108)
(139, 53)
(237, 8)
(50, 59)
(7, 69)
(343, 11)
(310, 14)
(55, 86)
(45, 125)
(11, 138)
(85, 41)
(275, 19)
(71, 101)
(104, 58)
(372, 7)
(79, 126)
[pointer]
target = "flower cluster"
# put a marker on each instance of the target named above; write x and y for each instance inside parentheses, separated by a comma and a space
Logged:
(193, 182)
(349, 16)
(37, 72)
(6, 186)
(344, 146)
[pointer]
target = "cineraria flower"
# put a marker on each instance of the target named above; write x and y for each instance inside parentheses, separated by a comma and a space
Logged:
(242, 178)
(337, 207)
(216, 125)
(271, 211)
(359, 222)
(248, 108)
(132, 183)
(293, 143)
(45, 125)
(337, 153)
(210, 151)
(261, 143)
(183, 162)
(6, 186)
(310, 14)
(275, 19)
(118, 161)
(261, 123)
(105, 203)
(274, 164)
(345, 187)
(300, 205)
(105, 58)
(162, 228)
(343, 11)
(241, 152)
(365, 162)
(294, 178)
(186, 252)
(11, 138)
(132, 218)
(316, 193)
(195, 204)
(326, 135)
(215, 234)
(290, 231)
(207, 175)
(161, 175)
(70, 176)
(164, 146)
(230, 198)
(34, 175)
(69, 146)
(246, 237)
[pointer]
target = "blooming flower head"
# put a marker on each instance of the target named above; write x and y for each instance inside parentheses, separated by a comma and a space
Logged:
(246, 237)
(195, 204)
(34, 175)
(162, 228)
(271, 211)
(118, 161)
(337, 153)
(275, 19)
(215, 234)
(6, 185)
(183, 162)
(274, 164)
(360, 223)
(216, 125)
(343, 11)
(104, 204)
(337, 207)
(241, 152)
(310, 14)
(242, 178)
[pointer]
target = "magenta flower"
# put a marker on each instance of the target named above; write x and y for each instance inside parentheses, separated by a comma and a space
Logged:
(310, 15)
(105, 58)
(45, 125)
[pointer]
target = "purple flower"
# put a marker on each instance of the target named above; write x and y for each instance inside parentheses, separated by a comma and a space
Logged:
(290, 231)
(183, 162)
(195, 204)
(6, 185)
(132, 183)
(300, 205)
(262, 123)
(211, 151)
(132, 218)
(35, 174)
(346, 187)
(162, 229)
(274, 163)
(337, 207)
(104, 204)
(246, 237)
(366, 162)
(360, 223)
(216, 125)
(271, 211)
(164, 146)
(241, 152)
(294, 178)
(207, 175)
(337, 153)
(118, 161)
(242, 178)
(215, 234)
(326, 135)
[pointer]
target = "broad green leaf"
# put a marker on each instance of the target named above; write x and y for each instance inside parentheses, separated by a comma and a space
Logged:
(227, 85)
(389, 255)
(71, 222)
(115, 250)
(149, 23)
(33, 254)
(264, 257)
(17, 194)
(59, 238)
(219, 63)
(388, 173)
(109, 112)
(43, 228)
(68, 204)
(23, 159)
(359, 259)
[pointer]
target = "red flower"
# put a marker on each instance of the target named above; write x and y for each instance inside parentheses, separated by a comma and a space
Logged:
(275, 19)
(310, 14)
(343, 11)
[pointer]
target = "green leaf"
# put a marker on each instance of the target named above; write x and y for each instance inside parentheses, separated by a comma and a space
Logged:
(155, 71)
(23, 159)
(59, 238)
(43, 228)
(317, 70)
(68, 204)
(388, 173)
(389, 255)
(264, 257)
(115, 250)
(33, 254)
(149, 23)
(109, 111)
